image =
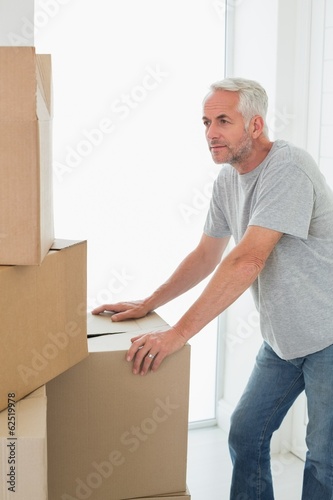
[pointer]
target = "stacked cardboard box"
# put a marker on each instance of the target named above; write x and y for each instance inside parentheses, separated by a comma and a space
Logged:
(115, 435)
(26, 208)
(23, 454)
(43, 322)
(43, 304)
(111, 435)
(43, 328)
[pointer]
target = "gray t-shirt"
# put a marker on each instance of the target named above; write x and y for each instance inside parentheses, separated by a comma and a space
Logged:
(294, 292)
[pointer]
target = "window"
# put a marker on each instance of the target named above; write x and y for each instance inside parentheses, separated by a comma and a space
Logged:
(132, 172)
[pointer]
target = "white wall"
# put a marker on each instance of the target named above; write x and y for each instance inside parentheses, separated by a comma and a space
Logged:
(132, 171)
(326, 125)
(17, 22)
(319, 134)
(289, 49)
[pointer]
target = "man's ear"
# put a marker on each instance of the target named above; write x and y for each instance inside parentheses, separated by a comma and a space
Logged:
(256, 126)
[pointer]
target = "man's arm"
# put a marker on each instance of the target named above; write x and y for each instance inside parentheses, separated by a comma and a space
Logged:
(193, 269)
(233, 276)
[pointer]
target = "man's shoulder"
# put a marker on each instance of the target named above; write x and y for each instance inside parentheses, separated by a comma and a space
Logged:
(289, 152)
(290, 157)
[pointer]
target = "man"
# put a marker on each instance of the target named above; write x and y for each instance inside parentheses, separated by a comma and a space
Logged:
(272, 199)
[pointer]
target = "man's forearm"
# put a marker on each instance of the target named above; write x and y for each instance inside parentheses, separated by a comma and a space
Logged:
(230, 280)
(193, 269)
(234, 275)
(188, 274)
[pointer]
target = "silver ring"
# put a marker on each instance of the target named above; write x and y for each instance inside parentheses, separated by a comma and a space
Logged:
(151, 356)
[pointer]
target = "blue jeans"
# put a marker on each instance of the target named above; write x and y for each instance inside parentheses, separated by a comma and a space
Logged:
(272, 388)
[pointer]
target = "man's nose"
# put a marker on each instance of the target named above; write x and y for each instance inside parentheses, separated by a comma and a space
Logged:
(212, 132)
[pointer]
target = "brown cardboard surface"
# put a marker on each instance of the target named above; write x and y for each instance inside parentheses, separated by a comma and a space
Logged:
(26, 200)
(23, 449)
(179, 496)
(113, 435)
(43, 319)
(185, 495)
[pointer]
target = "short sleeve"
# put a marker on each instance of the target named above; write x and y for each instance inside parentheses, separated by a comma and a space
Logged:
(284, 201)
(216, 224)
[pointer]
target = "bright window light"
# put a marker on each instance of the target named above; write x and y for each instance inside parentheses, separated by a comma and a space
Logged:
(132, 172)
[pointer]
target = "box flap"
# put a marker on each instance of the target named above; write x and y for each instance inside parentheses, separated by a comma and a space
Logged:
(60, 244)
(18, 84)
(102, 331)
(37, 393)
(44, 86)
(108, 343)
(102, 324)
(182, 495)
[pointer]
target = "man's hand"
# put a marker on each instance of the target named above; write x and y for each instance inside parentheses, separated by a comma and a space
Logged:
(124, 310)
(149, 350)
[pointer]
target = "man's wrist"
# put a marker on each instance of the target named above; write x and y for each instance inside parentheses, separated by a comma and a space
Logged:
(149, 304)
(185, 329)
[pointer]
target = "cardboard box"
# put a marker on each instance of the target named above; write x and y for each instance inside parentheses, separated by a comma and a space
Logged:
(185, 495)
(23, 448)
(114, 435)
(26, 196)
(43, 328)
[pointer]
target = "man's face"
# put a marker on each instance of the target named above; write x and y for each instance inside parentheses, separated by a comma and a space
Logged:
(227, 138)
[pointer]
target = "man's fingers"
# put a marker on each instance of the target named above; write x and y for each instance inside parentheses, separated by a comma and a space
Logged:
(145, 362)
(120, 311)
(139, 359)
(120, 316)
(157, 361)
(135, 347)
(141, 354)
(147, 352)
(137, 337)
(103, 308)
(151, 362)
(123, 310)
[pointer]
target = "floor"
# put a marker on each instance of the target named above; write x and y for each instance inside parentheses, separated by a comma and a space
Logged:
(209, 468)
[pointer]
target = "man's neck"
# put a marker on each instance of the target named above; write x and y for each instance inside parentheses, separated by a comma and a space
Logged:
(260, 150)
